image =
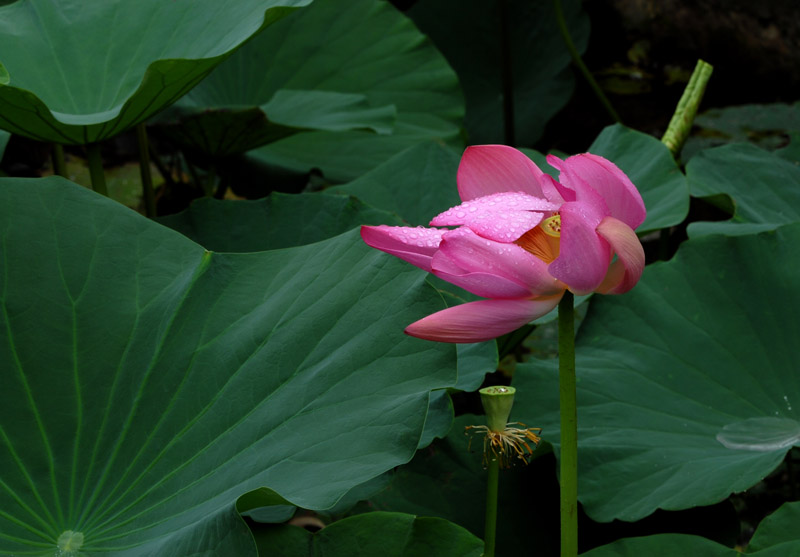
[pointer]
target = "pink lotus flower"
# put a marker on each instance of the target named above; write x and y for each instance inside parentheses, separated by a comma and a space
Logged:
(522, 239)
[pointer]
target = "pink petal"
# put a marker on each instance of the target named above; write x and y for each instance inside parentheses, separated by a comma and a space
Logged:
(575, 188)
(414, 245)
(583, 258)
(604, 177)
(625, 272)
(488, 169)
(481, 320)
(553, 190)
(502, 217)
(486, 285)
(464, 256)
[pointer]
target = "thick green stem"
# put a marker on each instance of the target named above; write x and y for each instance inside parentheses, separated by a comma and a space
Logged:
(211, 180)
(144, 168)
(96, 168)
(490, 527)
(681, 123)
(508, 77)
(59, 164)
(569, 426)
(576, 59)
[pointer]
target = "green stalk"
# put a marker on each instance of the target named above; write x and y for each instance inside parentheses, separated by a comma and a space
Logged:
(144, 168)
(211, 180)
(681, 123)
(490, 526)
(576, 59)
(569, 426)
(96, 168)
(508, 77)
(59, 164)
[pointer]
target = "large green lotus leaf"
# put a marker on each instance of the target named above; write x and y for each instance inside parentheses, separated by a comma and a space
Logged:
(448, 480)
(687, 385)
(277, 221)
(765, 125)
(776, 536)
(791, 151)
(378, 533)
(148, 382)
(663, 545)
(778, 530)
(225, 130)
(469, 34)
(362, 47)
(417, 184)
(78, 72)
(281, 221)
(650, 166)
(764, 187)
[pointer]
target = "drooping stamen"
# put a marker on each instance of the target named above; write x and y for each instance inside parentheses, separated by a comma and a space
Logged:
(544, 240)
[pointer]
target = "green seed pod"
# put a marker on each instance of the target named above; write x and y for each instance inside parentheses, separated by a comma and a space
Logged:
(497, 402)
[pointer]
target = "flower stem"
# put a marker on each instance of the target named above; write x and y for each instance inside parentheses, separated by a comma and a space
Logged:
(96, 168)
(569, 426)
(681, 123)
(144, 168)
(59, 164)
(508, 76)
(576, 59)
(490, 526)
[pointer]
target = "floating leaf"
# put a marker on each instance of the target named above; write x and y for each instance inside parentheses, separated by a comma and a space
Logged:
(363, 47)
(765, 125)
(277, 221)
(216, 131)
(149, 383)
(386, 534)
(663, 545)
(776, 536)
(694, 354)
(417, 184)
(765, 188)
(79, 73)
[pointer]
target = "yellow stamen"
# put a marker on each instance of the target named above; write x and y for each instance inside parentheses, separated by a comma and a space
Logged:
(508, 444)
(543, 241)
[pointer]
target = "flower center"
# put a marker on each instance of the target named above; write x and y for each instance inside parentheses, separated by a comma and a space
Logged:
(544, 240)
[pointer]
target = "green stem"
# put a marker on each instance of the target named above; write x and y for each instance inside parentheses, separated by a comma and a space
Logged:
(211, 180)
(576, 59)
(59, 164)
(490, 527)
(508, 77)
(681, 123)
(569, 426)
(144, 168)
(663, 244)
(96, 168)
